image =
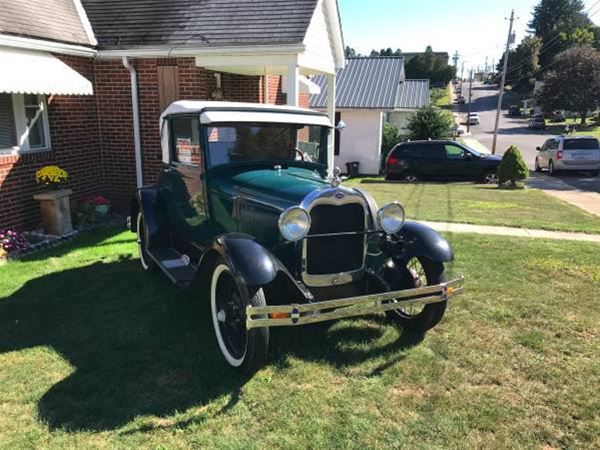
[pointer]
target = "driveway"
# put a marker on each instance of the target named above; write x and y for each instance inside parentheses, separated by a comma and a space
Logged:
(514, 131)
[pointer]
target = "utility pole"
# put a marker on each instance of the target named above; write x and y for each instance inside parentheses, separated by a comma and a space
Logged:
(469, 113)
(501, 93)
(486, 65)
(462, 70)
(455, 58)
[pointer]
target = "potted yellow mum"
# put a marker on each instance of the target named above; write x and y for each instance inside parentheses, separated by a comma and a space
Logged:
(54, 202)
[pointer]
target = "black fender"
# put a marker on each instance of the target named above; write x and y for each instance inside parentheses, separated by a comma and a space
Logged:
(251, 264)
(416, 239)
(146, 202)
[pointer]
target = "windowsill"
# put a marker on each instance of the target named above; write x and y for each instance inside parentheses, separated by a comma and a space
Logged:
(19, 152)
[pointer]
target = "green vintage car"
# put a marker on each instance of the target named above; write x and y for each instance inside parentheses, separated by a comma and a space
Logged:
(247, 206)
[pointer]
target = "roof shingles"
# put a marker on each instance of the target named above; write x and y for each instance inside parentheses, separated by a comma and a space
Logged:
(202, 23)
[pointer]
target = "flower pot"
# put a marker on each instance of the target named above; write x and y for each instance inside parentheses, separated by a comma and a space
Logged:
(56, 211)
(102, 210)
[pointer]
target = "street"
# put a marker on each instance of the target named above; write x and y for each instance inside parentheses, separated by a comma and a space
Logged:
(514, 131)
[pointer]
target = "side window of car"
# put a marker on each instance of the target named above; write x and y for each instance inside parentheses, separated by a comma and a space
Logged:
(404, 152)
(454, 151)
(185, 140)
(433, 151)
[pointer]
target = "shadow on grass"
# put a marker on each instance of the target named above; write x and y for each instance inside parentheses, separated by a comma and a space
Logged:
(140, 346)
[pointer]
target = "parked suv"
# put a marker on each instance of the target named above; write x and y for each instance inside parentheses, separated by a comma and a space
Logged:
(569, 153)
(412, 161)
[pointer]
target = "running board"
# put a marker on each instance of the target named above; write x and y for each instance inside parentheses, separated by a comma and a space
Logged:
(175, 265)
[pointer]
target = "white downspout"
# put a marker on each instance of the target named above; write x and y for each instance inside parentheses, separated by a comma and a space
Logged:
(136, 122)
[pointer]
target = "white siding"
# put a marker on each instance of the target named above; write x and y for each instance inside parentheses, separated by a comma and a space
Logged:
(361, 140)
(319, 53)
(399, 118)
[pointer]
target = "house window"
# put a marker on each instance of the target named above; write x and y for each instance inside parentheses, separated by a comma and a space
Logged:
(23, 122)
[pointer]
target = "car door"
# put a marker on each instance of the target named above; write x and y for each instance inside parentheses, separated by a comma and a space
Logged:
(460, 163)
(431, 160)
(543, 154)
(182, 184)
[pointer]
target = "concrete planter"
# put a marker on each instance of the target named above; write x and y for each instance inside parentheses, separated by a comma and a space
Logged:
(56, 211)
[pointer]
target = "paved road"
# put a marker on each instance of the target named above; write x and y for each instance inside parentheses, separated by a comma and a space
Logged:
(513, 130)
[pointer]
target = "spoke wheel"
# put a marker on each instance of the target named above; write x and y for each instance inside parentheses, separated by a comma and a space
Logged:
(417, 272)
(246, 350)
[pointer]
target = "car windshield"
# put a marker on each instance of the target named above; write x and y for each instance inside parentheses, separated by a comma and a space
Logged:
(231, 143)
(475, 152)
(581, 144)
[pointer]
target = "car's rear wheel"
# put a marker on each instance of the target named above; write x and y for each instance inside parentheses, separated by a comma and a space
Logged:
(537, 165)
(245, 350)
(419, 272)
(410, 177)
(551, 170)
(142, 233)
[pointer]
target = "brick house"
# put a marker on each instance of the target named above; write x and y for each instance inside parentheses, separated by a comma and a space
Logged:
(88, 79)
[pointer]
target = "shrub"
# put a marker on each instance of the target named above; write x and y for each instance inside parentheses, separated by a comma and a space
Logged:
(429, 123)
(512, 168)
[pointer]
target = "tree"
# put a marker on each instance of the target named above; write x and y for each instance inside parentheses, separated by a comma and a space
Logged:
(512, 168)
(523, 64)
(389, 138)
(553, 21)
(429, 123)
(386, 52)
(431, 66)
(349, 52)
(573, 83)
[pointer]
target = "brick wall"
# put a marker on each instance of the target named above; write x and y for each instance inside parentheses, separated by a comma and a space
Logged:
(75, 147)
(116, 126)
(92, 136)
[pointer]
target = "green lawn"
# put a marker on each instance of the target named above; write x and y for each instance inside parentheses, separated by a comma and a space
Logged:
(442, 97)
(591, 128)
(481, 204)
(96, 354)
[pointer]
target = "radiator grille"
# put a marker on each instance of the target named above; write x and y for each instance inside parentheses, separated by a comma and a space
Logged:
(335, 254)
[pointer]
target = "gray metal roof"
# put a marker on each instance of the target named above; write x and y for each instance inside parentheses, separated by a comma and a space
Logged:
(55, 20)
(205, 23)
(413, 94)
(365, 83)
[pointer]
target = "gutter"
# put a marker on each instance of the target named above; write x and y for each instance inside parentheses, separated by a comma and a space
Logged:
(136, 122)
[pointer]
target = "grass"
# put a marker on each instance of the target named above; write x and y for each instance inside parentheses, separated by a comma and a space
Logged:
(591, 128)
(442, 97)
(482, 205)
(96, 354)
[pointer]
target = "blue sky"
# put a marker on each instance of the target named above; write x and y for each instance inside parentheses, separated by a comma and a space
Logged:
(476, 28)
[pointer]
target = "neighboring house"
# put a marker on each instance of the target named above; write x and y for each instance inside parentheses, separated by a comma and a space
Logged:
(88, 80)
(369, 89)
(412, 95)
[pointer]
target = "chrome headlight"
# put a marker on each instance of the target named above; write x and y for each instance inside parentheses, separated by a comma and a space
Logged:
(294, 223)
(391, 217)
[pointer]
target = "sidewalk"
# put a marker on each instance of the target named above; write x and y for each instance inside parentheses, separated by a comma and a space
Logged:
(510, 231)
(586, 200)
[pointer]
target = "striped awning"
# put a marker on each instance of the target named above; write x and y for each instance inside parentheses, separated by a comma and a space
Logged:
(32, 72)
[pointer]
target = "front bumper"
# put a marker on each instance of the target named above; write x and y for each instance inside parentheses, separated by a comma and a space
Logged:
(303, 314)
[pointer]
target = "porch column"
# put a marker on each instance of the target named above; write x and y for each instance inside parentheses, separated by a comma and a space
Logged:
(292, 85)
(331, 114)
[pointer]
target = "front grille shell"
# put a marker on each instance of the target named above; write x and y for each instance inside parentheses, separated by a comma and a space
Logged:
(339, 248)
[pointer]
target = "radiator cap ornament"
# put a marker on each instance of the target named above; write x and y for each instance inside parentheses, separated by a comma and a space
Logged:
(335, 181)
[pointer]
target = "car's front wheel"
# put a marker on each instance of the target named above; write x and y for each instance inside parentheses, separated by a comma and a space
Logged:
(490, 178)
(537, 165)
(551, 170)
(245, 350)
(419, 272)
